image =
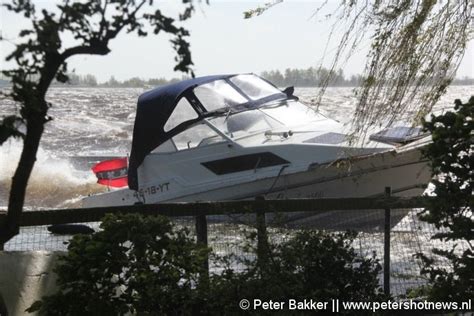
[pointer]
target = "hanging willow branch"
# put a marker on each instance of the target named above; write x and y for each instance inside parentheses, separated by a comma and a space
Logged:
(259, 10)
(416, 48)
(415, 52)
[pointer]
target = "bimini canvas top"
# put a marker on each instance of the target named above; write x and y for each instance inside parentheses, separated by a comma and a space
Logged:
(156, 120)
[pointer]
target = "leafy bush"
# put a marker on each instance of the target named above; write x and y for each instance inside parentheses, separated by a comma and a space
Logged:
(311, 265)
(141, 265)
(134, 265)
(452, 163)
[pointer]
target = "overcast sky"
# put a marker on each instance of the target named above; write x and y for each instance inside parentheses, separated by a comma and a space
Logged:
(221, 42)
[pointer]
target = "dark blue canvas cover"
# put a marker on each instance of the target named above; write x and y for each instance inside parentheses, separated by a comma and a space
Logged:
(153, 110)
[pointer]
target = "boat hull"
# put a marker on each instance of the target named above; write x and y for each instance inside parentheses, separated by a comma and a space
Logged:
(405, 172)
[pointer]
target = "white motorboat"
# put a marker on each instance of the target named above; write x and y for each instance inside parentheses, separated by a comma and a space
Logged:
(230, 137)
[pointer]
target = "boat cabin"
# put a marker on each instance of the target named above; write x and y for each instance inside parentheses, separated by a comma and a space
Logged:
(215, 109)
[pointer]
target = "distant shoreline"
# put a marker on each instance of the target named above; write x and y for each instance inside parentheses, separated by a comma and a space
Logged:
(299, 78)
(7, 85)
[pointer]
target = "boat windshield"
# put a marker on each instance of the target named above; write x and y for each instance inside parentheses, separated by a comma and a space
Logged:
(218, 94)
(254, 87)
(228, 93)
(247, 104)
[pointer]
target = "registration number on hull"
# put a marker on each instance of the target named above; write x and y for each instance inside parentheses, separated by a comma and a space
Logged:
(152, 190)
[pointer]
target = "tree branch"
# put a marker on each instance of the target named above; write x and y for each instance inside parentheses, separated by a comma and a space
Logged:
(100, 48)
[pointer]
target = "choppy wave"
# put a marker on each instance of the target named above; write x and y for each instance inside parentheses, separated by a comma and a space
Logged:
(54, 182)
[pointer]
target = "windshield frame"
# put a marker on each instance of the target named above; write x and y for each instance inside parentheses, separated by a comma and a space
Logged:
(248, 105)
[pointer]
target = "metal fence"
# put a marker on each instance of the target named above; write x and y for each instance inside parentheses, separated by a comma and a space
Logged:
(388, 226)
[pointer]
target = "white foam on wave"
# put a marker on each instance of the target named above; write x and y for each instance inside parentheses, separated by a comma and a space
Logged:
(54, 182)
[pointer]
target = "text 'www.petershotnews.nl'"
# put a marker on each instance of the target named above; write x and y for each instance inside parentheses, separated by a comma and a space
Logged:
(336, 305)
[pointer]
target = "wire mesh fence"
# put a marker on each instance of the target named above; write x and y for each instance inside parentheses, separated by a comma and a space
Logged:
(229, 235)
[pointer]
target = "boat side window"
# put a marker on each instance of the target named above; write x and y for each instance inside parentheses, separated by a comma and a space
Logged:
(199, 135)
(253, 86)
(181, 113)
(218, 94)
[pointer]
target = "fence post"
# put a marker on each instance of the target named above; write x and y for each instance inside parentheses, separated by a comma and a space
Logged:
(201, 238)
(262, 238)
(386, 248)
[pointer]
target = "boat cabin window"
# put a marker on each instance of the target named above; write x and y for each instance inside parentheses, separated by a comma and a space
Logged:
(199, 135)
(254, 87)
(181, 113)
(217, 95)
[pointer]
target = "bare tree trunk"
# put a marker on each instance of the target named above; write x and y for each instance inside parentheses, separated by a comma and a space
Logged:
(35, 128)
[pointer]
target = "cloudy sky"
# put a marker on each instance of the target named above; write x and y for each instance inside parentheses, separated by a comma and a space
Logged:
(287, 36)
